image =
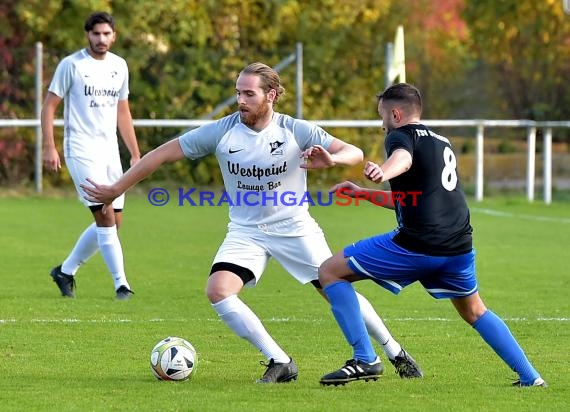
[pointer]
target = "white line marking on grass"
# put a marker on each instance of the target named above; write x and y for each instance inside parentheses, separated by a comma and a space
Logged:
(521, 216)
(283, 320)
(553, 319)
(429, 319)
(80, 321)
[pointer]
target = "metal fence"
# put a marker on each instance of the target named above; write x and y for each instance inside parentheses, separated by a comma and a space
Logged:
(479, 127)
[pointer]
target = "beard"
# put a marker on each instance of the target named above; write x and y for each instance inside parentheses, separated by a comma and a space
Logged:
(252, 116)
(98, 49)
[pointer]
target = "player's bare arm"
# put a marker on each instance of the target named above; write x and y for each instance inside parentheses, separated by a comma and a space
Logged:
(399, 162)
(317, 157)
(349, 188)
(338, 153)
(167, 153)
(345, 153)
(51, 158)
(377, 197)
(127, 130)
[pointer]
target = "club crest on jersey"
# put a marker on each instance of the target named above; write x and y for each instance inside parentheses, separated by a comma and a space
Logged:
(276, 148)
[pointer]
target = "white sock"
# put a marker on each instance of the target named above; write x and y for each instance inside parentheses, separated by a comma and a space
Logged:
(84, 248)
(376, 328)
(112, 252)
(244, 323)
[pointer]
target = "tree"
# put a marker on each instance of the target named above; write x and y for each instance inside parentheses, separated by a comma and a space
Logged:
(485, 59)
(526, 46)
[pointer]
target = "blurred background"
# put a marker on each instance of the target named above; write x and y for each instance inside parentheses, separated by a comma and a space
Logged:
(485, 59)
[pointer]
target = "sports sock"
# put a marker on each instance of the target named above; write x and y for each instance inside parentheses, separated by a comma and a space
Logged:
(84, 248)
(244, 323)
(497, 335)
(376, 328)
(112, 252)
(346, 310)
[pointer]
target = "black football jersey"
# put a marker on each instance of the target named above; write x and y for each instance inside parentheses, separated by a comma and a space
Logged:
(431, 209)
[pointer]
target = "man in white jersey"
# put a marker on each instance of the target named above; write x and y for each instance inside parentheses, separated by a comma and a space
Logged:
(262, 155)
(94, 84)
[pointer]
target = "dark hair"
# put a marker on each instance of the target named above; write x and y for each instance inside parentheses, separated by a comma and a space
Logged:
(403, 93)
(99, 17)
(269, 78)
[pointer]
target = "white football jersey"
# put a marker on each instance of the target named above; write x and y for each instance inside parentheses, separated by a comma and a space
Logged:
(91, 90)
(263, 180)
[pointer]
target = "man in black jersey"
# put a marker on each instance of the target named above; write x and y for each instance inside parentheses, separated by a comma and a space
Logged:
(432, 243)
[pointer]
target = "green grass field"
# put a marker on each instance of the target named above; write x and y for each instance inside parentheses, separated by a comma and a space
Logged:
(92, 353)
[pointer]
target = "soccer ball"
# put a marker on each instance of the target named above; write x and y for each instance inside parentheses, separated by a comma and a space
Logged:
(173, 359)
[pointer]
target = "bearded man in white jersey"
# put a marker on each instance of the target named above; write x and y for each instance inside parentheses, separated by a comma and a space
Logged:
(94, 84)
(262, 154)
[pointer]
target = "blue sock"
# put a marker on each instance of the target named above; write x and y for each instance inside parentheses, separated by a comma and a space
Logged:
(498, 336)
(346, 310)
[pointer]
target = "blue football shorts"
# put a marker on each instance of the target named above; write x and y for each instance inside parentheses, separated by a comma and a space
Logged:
(393, 267)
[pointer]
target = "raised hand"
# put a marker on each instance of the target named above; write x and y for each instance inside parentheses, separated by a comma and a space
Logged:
(317, 157)
(346, 188)
(373, 172)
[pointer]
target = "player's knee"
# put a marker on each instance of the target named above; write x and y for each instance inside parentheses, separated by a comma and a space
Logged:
(326, 274)
(226, 279)
(470, 308)
(103, 217)
(118, 217)
(214, 294)
(476, 313)
(217, 290)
